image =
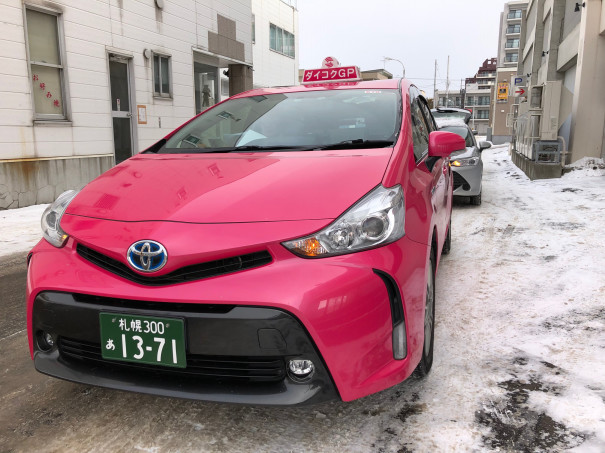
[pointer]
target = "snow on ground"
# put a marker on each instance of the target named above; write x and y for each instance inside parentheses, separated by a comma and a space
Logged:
(20, 229)
(519, 347)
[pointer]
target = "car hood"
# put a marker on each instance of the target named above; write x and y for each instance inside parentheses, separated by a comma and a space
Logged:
(467, 152)
(232, 188)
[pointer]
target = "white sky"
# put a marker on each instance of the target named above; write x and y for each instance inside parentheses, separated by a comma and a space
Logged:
(416, 32)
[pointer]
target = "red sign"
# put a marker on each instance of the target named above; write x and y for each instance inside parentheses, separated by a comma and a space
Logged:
(342, 74)
(520, 91)
(330, 62)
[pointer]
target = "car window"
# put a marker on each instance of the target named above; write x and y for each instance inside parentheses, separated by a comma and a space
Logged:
(429, 118)
(312, 118)
(463, 132)
(420, 130)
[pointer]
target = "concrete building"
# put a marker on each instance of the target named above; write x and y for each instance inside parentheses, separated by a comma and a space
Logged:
(86, 83)
(479, 95)
(563, 61)
(510, 34)
(275, 42)
(509, 42)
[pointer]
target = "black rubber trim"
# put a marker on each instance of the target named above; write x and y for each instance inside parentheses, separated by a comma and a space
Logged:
(182, 275)
(394, 297)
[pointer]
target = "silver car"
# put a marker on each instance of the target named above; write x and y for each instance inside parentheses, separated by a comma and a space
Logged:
(467, 165)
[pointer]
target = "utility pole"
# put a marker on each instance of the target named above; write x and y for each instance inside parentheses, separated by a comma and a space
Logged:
(435, 103)
(447, 83)
(463, 93)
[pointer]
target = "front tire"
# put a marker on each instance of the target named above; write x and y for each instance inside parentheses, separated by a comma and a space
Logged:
(426, 361)
(447, 245)
(476, 200)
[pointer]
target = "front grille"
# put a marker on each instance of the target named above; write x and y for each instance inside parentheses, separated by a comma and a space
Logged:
(459, 181)
(182, 275)
(218, 368)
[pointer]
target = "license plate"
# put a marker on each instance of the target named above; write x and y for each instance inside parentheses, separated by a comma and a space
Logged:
(143, 339)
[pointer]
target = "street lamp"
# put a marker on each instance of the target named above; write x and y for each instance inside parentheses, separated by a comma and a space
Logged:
(398, 61)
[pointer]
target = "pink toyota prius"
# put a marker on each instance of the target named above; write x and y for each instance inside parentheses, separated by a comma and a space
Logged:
(280, 248)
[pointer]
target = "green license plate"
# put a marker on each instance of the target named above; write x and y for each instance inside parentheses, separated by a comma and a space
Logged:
(143, 339)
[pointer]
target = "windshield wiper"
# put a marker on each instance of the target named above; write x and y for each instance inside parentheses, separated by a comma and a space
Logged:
(358, 144)
(232, 149)
(258, 148)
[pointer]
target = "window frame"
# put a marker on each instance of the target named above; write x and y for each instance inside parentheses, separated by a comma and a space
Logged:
(63, 117)
(431, 126)
(160, 55)
(287, 40)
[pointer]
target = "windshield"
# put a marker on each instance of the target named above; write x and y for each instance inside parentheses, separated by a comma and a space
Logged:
(463, 132)
(304, 120)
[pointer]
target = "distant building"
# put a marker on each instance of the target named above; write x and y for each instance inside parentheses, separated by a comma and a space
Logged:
(509, 43)
(479, 95)
(476, 95)
(275, 42)
(562, 61)
(376, 74)
(510, 34)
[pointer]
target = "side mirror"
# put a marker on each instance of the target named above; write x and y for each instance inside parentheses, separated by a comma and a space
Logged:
(442, 144)
(484, 145)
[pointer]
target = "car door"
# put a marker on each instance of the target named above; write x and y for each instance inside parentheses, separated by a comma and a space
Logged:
(438, 179)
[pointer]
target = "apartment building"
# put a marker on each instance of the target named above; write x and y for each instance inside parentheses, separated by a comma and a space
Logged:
(561, 117)
(479, 95)
(476, 95)
(509, 43)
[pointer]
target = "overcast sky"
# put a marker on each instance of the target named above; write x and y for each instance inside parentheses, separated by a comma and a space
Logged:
(417, 32)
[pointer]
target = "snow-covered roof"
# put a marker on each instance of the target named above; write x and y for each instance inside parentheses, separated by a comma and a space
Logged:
(453, 121)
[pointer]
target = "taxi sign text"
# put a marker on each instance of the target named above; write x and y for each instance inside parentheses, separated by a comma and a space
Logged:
(342, 74)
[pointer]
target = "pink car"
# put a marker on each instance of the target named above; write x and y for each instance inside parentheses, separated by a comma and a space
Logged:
(280, 248)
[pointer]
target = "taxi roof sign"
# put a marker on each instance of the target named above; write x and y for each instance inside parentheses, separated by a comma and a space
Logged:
(332, 75)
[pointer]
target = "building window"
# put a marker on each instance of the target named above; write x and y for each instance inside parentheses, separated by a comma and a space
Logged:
(513, 29)
(482, 114)
(253, 29)
(281, 41)
(45, 53)
(161, 75)
(470, 100)
(511, 58)
(514, 14)
(512, 44)
(483, 100)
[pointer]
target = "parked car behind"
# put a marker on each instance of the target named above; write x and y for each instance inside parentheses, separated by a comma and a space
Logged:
(467, 165)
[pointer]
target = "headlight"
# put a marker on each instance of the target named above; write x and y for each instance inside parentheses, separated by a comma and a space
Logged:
(465, 162)
(51, 219)
(377, 219)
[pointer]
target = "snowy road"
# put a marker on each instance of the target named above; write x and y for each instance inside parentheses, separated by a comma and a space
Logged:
(519, 364)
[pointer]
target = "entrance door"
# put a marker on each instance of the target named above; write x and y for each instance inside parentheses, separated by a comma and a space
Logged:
(120, 107)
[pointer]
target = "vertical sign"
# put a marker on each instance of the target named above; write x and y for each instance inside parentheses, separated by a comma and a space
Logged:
(503, 91)
(142, 114)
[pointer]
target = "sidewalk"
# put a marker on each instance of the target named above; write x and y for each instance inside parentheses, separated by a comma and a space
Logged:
(20, 229)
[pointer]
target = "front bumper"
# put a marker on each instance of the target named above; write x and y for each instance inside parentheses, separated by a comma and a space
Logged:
(467, 180)
(234, 354)
(338, 313)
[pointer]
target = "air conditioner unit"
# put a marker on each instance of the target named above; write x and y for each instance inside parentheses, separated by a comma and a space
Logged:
(551, 100)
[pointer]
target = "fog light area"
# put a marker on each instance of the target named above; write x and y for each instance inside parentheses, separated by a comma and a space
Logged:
(301, 368)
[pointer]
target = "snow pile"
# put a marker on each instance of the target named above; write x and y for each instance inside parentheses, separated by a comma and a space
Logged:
(20, 229)
(585, 167)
